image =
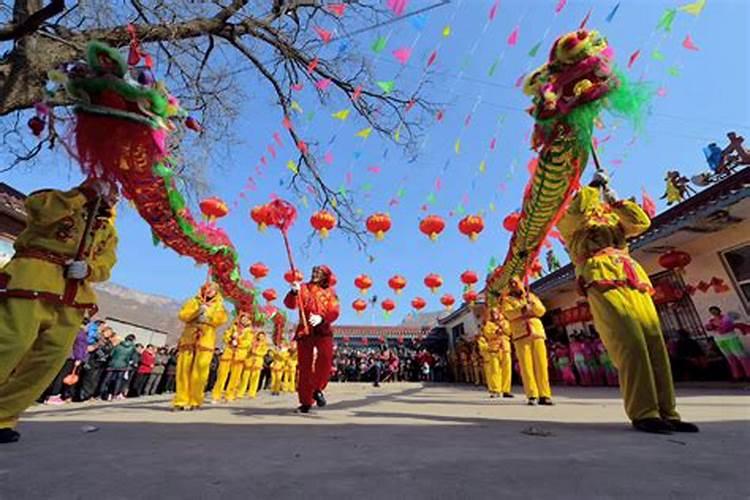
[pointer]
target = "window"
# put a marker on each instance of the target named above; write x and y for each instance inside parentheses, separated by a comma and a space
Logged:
(737, 261)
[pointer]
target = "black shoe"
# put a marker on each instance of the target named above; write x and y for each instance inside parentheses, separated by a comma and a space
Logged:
(508, 395)
(546, 402)
(320, 400)
(653, 426)
(376, 384)
(531, 402)
(680, 426)
(303, 409)
(8, 435)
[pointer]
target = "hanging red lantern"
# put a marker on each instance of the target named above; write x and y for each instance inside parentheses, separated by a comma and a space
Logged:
(360, 306)
(675, 259)
(269, 294)
(36, 125)
(388, 305)
(323, 221)
(378, 224)
(418, 303)
(293, 277)
(510, 222)
(433, 282)
(363, 283)
(397, 284)
(447, 300)
(261, 215)
(432, 226)
(470, 296)
(213, 208)
(259, 270)
(469, 278)
(471, 226)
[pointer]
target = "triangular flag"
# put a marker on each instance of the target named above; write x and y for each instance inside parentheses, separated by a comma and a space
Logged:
(365, 132)
(493, 10)
(447, 30)
(431, 198)
(297, 87)
(493, 142)
(291, 165)
(341, 115)
(666, 20)
(367, 187)
(397, 6)
(287, 123)
(457, 146)
(374, 169)
(402, 55)
(482, 166)
(379, 44)
(323, 83)
(656, 55)
(612, 13)
(693, 8)
(661, 92)
(689, 44)
(296, 107)
(493, 67)
(432, 58)
(337, 9)
(397, 134)
(328, 158)
(535, 49)
(418, 22)
(386, 86)
(439, 115)
(324, 34)
(513, 37)
(648, 204)
(633, 58)
(312, 65)
(438, 184)
(492, 206)
(673, 71)
(357, 93)
(560, 6)
(520, 80)
(302, 146)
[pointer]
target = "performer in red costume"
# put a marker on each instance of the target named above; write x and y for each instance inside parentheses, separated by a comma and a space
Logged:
(320, 305)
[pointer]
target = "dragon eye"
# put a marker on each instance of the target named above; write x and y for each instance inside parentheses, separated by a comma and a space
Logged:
(145, 77)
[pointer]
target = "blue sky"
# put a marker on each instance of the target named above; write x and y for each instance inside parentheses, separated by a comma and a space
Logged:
(705, 97)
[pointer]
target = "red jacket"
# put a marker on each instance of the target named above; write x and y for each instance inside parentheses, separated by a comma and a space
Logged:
(317, 300)
(148, 359)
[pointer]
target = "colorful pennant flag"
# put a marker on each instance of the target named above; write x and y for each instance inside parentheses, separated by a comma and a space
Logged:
(365, 132)
(535, 49)
(666, 20)
(612, 13)
(457, 146)
(341, 115)
(337, 9)
(324, 34)
(402, 55)
(656, 55)
(560, 6)
(323, 83)
(397, 6)
(633, 58)
(513, 37)
(379, 44)
(291, 165)
(689, 44)
(694, 8)
(493, 10)
(447, 31)
(431, 59)
(386, 86)
(493, 67)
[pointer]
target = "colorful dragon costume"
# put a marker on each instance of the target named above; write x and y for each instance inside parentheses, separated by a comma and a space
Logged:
(124, 133)
(568, 94)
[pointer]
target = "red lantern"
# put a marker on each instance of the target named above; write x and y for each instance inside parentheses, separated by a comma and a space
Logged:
(510, 222)
(360, 306)
(259, 270)
(469, 278)
(36, 125)
(397, 284)
(432, 226)
(363, 283)
(388, 305)
(379, 224)
(213, 208)
(261, 215)
(293, 277)
(269, 294)
(675, 259)
(418, 303)
(433, 282)
(323, 221)
(447, 300)
(470, 296)
(471, 226)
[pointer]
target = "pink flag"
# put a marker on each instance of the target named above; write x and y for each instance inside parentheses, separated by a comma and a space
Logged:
(287, 123)
(648, 204)
(519, 82)
(560, 6)
(297, 87)
(633, 58)
(328, 158)
(277, 139)
(272, 151)
(323, 84)
(310, 189)
(661, 92)
(493, 9)
(432, 58)
(438, 184)
(302, 146)
(337, 9)
(513, 37)
(689, 44)
(403, 54)
(467, 120)
(493, 142)
(357, 93)
(439, 115)
(312, 65)
(374, 169)
(324, 34)
(397, 6)
(393, 202)
(263, 160)
(348, 178)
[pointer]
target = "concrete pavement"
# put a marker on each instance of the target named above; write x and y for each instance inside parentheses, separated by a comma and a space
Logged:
(398, 441)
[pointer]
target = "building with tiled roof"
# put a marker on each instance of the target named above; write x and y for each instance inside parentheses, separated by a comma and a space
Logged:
(12, 219)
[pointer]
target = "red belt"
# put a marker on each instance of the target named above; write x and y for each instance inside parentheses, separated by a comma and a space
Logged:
(45, 255)
(52, 298)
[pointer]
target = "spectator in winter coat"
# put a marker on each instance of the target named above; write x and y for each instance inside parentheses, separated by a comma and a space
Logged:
(146, 365)
(98, 357)
(117, 368)
(160, 363)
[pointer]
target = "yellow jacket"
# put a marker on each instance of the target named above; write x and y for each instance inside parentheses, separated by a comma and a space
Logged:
(497, 335)
(197, 334)
(237, 345)
(523, 314)
(291, 361)
(596, 235)
(280, 357)
(257, 352)
(55, 224)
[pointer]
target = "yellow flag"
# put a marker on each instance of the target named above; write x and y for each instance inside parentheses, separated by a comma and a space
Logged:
(341, 115)
(492, 206)
(365, 132)
(457, 146)
(291, 165)
(693, 8)
(447, 30)
(397, 133)
(483, 166)
(296, 107)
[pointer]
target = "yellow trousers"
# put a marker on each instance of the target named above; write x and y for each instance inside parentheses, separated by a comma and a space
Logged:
(192, 374)
(290, 380)
(249, 383)
(506, 372)
(222, 375)
(235, 380)
(276, 381)
(492, 374)
(628, 324)
(532, 359)
(35, 340)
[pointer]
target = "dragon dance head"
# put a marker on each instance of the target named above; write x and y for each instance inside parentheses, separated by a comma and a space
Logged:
(123, 116)
(577, 72)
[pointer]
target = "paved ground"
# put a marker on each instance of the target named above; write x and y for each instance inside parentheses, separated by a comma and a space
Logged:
(399, 441)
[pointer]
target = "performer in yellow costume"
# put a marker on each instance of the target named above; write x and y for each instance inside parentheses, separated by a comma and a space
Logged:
(290, 370)
(523, 310)
(253, 366)
(237, 341)
(45, 290)
(202, 315)
(488, 350)
(280, 357)
(618, 291)
(497, 330)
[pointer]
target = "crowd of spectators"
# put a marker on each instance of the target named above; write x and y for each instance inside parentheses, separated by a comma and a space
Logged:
(388, 364)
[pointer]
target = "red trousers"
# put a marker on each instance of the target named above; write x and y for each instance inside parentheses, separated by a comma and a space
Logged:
(313, 378)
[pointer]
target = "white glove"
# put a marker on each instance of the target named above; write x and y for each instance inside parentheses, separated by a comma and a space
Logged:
(315, 320)
(77, 270)
(296, 287)
(600, 178)
(610, 196)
